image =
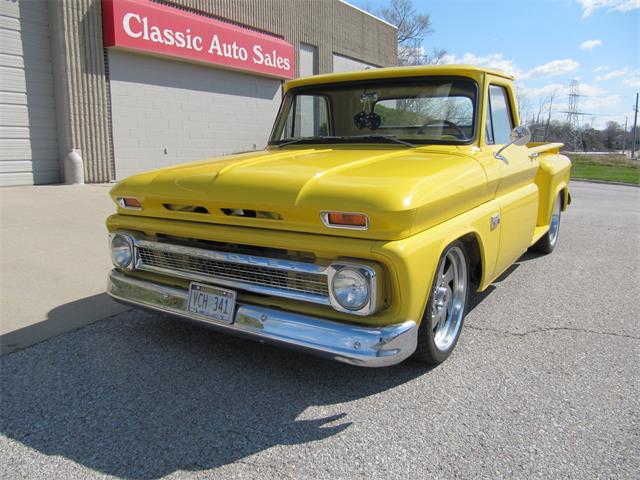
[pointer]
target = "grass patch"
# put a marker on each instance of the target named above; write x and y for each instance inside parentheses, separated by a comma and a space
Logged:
(607, 168)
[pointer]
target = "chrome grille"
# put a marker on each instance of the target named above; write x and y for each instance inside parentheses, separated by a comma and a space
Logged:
(298, 280)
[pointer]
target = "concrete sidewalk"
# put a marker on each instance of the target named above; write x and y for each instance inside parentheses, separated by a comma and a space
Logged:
(53, 261)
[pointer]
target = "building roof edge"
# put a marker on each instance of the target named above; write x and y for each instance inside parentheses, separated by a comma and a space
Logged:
(368, 13)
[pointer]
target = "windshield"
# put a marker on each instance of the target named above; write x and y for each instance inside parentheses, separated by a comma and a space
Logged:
(437, 110)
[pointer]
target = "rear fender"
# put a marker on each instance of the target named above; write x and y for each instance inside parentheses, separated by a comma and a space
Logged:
(552, 179)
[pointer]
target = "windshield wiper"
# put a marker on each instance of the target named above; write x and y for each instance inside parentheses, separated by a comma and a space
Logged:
(327, 139)
(322, 139)
(382, 137)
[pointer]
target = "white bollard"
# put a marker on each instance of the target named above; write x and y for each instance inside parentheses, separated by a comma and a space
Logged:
(73, 168)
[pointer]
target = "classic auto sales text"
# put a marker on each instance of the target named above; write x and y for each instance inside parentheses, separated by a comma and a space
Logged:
(137, 27)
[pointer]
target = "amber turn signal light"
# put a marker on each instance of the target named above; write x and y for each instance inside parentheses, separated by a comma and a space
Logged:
(345, 220)
(129, 202)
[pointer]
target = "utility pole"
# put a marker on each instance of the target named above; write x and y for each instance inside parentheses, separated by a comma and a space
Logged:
(635, 125)
(624, 135)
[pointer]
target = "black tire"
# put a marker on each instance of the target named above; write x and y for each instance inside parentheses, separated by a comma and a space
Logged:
(430, 349)
(549, 240)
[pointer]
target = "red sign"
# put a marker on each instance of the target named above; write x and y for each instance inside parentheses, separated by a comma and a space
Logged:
(144, 26)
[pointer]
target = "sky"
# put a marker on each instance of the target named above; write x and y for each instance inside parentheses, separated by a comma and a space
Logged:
(546, 44)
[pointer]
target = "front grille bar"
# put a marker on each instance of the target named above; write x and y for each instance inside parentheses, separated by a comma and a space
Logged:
(269, 276)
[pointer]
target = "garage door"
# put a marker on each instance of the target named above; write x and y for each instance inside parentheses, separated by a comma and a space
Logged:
(166, 112)
(28, 139)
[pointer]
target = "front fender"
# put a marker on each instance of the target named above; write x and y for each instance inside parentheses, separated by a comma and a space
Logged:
(414, 259)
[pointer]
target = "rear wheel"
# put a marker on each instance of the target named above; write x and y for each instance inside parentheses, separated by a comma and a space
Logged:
(547, 243)
(443, 318)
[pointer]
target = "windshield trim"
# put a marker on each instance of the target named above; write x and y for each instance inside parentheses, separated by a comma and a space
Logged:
(319, 89)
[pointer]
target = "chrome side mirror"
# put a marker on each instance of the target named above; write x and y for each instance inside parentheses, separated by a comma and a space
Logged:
(520, 136)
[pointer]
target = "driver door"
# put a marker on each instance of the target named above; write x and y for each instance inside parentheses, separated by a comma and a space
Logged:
(514, 174)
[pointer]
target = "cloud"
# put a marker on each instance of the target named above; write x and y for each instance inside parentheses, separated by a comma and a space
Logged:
(493, 60)
(591, 90)
(496, 60)
(593, 104)
(561, 90)
(601, 68)
(632, 80)
(552, 69)
(589, 44)
(589, 6)
(612, 74)
(546, 90)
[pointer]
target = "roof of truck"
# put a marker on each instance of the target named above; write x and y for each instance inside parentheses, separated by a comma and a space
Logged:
(395, 72)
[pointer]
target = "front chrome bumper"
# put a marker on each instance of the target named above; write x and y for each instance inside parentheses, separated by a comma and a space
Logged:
(356, 345)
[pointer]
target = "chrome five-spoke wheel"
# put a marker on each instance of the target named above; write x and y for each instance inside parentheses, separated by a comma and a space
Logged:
(449, 295)
(548, 241)
(443, 318)
(554, 227)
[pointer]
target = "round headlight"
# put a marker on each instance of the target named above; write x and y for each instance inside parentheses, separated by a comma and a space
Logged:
(121, 251)
(350, 289)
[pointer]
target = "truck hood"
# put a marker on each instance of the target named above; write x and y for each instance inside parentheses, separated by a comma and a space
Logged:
(402, 190)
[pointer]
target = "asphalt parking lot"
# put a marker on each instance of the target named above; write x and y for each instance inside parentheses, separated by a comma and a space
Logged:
(543, 384)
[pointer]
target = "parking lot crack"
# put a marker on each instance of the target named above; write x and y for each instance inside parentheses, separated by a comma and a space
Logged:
(550, 329)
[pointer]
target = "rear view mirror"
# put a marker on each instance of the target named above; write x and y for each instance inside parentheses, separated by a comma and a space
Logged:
(520, 136)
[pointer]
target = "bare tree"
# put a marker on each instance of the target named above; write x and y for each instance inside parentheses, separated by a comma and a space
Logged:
(412, 28)
(540, 127)
(550, 99)
(524, 106)
(436, 57)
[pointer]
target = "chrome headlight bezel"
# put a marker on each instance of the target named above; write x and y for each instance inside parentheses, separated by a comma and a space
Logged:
(368, 274)
(128, 242)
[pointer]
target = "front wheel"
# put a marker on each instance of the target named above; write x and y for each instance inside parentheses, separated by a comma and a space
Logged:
(442, 320)
(547, 243)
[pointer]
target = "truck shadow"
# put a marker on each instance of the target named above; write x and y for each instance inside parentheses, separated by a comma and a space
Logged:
(140, 396)
(476, 298)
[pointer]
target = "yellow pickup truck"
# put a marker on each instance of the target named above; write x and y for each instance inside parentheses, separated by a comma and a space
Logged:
(383, 200)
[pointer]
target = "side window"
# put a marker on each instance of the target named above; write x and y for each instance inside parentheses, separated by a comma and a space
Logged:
(499, 123)
(308, 117)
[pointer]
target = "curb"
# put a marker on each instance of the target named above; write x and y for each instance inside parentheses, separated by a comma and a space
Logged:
(603, 182)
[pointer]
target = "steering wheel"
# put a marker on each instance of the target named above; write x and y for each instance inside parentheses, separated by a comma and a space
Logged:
(444, 123)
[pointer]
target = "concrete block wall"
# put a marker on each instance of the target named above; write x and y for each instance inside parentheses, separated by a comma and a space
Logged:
(80, 74)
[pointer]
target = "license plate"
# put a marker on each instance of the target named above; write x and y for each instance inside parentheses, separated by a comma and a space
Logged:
(212, 303)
